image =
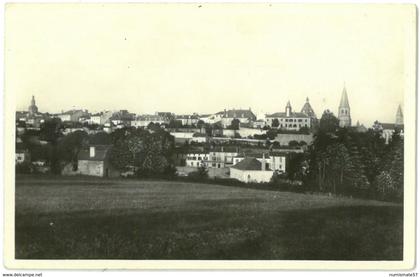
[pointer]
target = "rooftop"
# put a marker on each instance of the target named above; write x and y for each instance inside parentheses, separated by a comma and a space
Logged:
(100, 153)
(248, 164)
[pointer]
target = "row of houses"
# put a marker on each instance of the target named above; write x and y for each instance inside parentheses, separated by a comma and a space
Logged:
(246, 167)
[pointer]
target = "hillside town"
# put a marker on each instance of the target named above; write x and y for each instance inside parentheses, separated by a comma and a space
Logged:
(228, 144)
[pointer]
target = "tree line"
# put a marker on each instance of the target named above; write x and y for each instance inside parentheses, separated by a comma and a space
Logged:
(145, 152)
(343, 161)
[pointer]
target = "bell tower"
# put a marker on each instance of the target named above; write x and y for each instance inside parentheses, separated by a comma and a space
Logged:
(344, 110)
(399, 118)
(33, 109)
(288, 109)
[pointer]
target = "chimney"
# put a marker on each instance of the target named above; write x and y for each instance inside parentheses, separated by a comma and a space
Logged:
(92, 151)
(263, 162)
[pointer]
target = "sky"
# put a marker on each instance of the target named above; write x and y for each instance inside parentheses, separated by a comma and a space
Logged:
(204, 58)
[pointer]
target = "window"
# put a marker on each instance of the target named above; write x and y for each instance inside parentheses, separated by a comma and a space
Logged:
(213, 165)
(199, 158)
(300, 120)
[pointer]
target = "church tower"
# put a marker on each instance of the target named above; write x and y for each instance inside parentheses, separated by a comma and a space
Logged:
(307, 109)
(288, 109)
(399, 118)
(33, 109)
(344, 110)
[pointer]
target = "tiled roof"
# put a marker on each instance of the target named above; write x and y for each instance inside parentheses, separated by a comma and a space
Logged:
(228, 149)
(100, 153)
(292, 115)
(150, 118)
(248, 164)
(344, 99)
(183, 116)
(238, 114)
(307, 109)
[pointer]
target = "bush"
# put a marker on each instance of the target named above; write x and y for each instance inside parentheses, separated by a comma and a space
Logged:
(24, 168)
(201, 173)
(283, 183)
(386, 187)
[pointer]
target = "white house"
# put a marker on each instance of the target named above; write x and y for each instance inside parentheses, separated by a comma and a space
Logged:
(197, 159)
(250, 170)
(211, 118)
(145, 120)
(273, 161)
(244, 116)
(222, 157)
(290, 120)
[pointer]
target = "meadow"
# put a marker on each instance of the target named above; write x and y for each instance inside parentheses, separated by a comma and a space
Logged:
(92, 218)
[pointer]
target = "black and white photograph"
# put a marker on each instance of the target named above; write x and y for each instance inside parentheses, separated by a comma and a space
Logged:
(219, 132)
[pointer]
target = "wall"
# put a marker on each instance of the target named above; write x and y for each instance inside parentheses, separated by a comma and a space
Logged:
(245, 132)
(212, 172)
(284, 139)
(229, 133)
(256, 176)
(219, 172)
(188, 135)
(92, 168)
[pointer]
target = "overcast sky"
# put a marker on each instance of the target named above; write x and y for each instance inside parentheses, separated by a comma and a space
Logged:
(185, 58)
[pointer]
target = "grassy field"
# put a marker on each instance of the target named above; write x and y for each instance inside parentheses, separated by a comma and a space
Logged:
(74, 218)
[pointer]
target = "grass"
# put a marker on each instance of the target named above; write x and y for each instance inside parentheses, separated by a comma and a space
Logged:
(90, 218)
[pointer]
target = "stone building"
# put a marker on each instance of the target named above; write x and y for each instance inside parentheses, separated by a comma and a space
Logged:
(95, 162)
(290, 120)
(251, 170)
(32, 118)
(387, 129)
(244, 116)
(273, 161)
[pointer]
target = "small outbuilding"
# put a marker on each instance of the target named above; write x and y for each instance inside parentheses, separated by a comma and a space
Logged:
(251, 170)
(94, 161)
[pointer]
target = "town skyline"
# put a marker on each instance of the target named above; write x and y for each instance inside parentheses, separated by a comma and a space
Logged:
(258, 113)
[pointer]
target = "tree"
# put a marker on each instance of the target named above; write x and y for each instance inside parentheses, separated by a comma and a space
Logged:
(69, 146)
(302, 143)
(293, 143)
(101, 138)
(201, 124)
(271, 134)
(51, 130)
(175, 123)
(235, 124)
(328, 122)
(275, 123)
(385, 185)
(148, 153)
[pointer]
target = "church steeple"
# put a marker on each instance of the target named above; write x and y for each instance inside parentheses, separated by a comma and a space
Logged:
(288, 109)
(33, 109)
(399, 118)
(344, 110)
(307, 109)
